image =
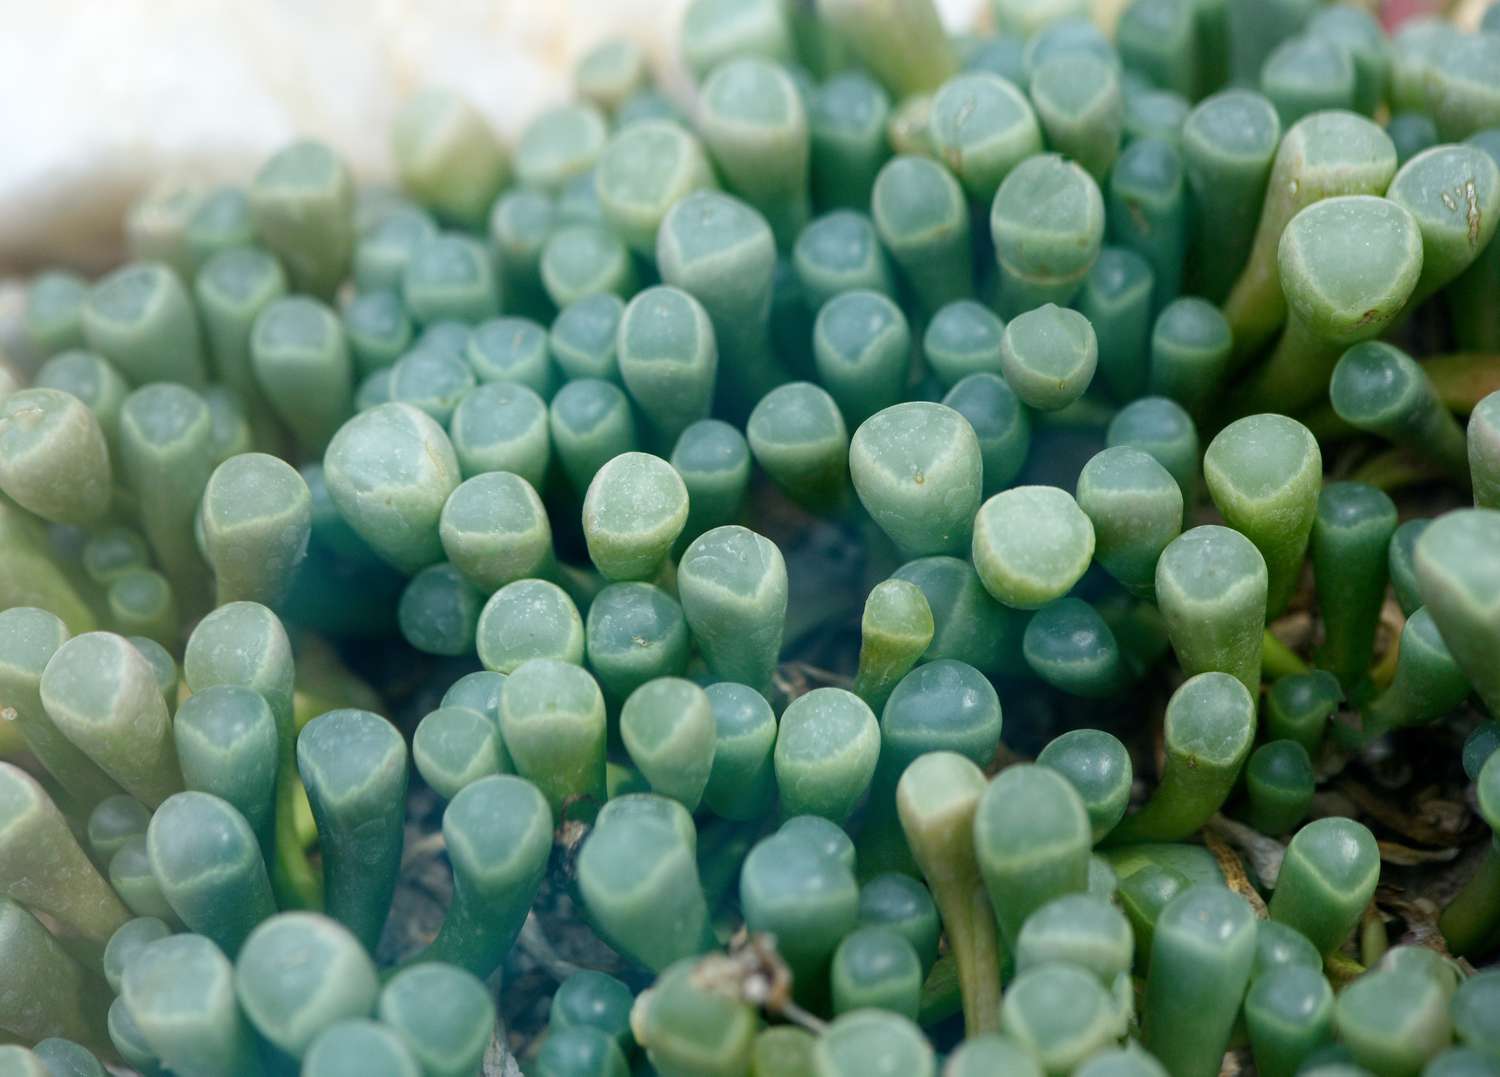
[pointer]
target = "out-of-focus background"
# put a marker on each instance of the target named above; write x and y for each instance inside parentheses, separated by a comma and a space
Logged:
(103, 98)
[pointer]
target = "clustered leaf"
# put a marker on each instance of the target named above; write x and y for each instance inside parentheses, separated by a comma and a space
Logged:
(911, 560)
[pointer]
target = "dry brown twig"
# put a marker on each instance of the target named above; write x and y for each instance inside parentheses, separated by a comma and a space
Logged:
(1264, 854)
(752, 971)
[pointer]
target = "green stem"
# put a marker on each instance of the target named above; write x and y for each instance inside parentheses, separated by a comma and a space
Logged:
(1474, 913)
(1373, 940)
(1277, 659)
(942, 995)
(937, 798)
(970, 925)
(1396, 469)
(1326, 425)
(295, 883)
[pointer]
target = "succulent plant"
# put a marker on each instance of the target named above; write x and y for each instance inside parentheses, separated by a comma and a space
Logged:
(908, 550)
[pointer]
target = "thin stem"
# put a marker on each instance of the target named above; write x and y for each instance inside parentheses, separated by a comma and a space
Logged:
(1474, 913)
(937, 798)
(977, 949)
(1373, 941)
(296, 884)
(1277, 659)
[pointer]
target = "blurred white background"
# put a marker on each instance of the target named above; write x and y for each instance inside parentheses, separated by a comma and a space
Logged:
(100, 99)
(105, 97)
